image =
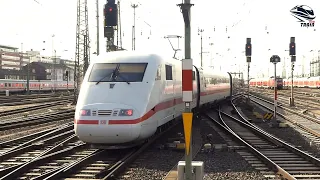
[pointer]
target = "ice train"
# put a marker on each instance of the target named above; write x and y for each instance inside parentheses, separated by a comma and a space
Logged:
(126, 96)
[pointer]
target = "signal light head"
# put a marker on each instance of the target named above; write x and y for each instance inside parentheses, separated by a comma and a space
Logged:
(110, 9)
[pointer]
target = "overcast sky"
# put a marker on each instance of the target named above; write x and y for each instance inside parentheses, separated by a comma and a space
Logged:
(30, 23)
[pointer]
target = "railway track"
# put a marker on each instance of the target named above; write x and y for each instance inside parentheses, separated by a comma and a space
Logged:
(20, 98)
(17, 152)
(76, 160)
(299, 95)
(299, 103)
(309, 126)
(21, 122)
(32, 101)
(36, 107)
(266, 152)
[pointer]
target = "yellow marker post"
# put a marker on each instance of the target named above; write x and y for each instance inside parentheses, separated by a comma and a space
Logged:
(268, 116)
(187, 125)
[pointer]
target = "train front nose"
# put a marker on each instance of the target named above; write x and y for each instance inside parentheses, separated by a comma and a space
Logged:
(107, 123)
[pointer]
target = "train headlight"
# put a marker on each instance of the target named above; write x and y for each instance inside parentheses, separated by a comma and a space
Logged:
(85, 112)
(126, 112)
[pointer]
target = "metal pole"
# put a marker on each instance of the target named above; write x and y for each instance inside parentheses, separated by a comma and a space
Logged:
(134, 6)
(68, 82)
(201, 47)
(98, 48)
(187, 65)
(292, 100)
(120, 32)
(28, 75)
(275, 92)
(54, 71)
(248, 81)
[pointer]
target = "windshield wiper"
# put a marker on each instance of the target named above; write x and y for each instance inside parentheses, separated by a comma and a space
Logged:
(125, 79)
(113, 73)
(117, 74)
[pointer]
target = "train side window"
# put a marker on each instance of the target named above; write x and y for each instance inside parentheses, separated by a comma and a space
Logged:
(9, 84)
(168, 72)
(158, 76)
(193, 75)
(5, 85)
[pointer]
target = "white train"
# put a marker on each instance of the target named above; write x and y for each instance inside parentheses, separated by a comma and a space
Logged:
(125, 96)
(34, 85)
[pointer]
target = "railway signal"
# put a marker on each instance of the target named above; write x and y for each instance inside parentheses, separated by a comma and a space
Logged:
(111, 13)
(248, 47)
(275, 59)
(292, 53)
(248, 56)
(292, 47)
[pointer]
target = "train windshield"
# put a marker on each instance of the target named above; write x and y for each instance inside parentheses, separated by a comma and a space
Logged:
(117, 72)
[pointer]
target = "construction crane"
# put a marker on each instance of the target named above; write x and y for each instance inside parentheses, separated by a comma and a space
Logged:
(82, 55)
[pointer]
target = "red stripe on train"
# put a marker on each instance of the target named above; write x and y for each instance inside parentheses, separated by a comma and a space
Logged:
(158, 107)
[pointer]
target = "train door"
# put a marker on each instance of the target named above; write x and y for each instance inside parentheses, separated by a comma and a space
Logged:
(168, 94)
(196, 79)
(174, 92)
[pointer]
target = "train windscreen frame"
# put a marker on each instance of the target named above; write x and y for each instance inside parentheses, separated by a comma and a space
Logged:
(126, 72)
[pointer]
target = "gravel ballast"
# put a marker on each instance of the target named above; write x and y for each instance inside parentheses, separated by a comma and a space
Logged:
(224, 164)
(288, 134)
(155, 163)
(20, 132)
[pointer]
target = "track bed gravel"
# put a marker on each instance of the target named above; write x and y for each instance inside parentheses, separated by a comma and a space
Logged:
(288, 134)
(223, 164)
(155, 163)
(19, 132)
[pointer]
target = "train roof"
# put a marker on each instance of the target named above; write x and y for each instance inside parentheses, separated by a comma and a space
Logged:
(125, 56)
(146, 56)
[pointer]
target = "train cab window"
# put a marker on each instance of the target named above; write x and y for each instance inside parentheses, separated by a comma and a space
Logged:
(158, 75)
(117, 72)
(169, 72)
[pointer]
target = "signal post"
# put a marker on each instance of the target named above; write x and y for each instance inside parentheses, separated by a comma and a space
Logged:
(248, 55)
(292, 53)
(185, 168)
(275, 59)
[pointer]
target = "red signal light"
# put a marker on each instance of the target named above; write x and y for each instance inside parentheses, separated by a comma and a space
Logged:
(110, 9)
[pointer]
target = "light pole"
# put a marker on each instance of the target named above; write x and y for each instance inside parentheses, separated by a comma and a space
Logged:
(200, 31)
(134, 6)
(28, 74)
(54, 71)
